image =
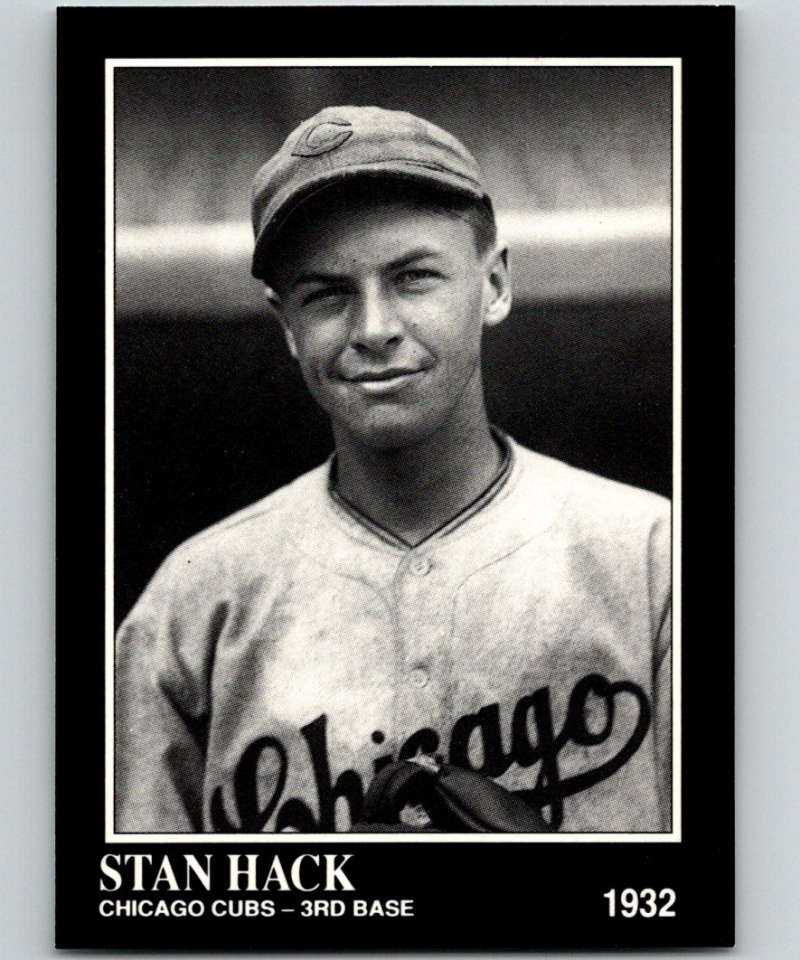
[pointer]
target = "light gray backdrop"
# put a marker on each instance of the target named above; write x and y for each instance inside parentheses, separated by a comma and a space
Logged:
(768, 530)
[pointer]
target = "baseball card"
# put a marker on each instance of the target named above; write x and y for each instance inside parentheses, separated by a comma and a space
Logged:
(395, 457)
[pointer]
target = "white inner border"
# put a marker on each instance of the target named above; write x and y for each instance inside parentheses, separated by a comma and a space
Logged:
(354, 838)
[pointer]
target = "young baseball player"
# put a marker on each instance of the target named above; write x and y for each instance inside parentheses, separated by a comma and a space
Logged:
(434, 590)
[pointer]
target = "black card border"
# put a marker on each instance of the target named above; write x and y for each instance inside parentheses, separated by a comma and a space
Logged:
(565, 881)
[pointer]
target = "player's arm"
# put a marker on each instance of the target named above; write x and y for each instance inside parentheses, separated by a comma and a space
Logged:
(661, 612)
(161, 717)
(662, 718)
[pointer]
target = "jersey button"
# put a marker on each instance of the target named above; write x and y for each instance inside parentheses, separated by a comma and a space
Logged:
(420, 566)
(419, 678)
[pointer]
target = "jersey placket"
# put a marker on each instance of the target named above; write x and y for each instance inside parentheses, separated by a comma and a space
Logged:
(423, 610)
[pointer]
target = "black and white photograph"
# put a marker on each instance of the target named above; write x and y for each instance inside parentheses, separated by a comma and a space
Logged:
(460, 618)
(396, 370)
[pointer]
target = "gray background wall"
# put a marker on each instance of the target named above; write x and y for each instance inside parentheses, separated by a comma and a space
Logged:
(189, 140)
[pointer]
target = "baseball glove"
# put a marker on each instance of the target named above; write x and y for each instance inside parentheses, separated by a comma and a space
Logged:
(422, 795)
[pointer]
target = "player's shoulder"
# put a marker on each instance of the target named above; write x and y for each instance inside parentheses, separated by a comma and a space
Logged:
(257, 532)
(589, 498)
(235, 557)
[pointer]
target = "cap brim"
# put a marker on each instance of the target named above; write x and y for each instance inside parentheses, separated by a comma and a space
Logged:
(281, 209)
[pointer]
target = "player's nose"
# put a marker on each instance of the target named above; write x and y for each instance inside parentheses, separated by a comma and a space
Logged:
(375, 324)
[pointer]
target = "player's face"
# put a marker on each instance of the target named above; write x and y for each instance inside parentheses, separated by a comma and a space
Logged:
(383, 307)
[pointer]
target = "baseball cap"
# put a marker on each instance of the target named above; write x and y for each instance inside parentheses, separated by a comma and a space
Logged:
(349, 142)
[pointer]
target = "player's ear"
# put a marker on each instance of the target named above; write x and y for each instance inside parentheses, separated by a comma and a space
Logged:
(287, 334)
(276, 311)
(498, 287)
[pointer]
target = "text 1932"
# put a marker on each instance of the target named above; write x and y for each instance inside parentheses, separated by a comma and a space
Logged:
(646, 903)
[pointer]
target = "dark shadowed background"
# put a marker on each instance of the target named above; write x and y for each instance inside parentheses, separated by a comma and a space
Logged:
(210, 413)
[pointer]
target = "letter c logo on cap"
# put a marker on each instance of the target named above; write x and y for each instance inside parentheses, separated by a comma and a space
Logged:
(323, 138)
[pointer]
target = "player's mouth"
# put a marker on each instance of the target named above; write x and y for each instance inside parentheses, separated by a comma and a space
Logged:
(389, 380)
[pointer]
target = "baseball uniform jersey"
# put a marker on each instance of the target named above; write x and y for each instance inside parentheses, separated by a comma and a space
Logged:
(280, 658)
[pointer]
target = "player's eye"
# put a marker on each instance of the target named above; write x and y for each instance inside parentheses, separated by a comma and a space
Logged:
(323, 295)
(417, 278)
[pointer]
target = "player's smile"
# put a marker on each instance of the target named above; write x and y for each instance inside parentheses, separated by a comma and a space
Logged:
(383, 306)
(385, 382)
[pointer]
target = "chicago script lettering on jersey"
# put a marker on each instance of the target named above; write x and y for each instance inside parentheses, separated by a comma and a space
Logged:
(532, 712)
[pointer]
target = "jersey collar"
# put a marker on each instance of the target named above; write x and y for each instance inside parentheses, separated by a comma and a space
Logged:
(475, 506)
